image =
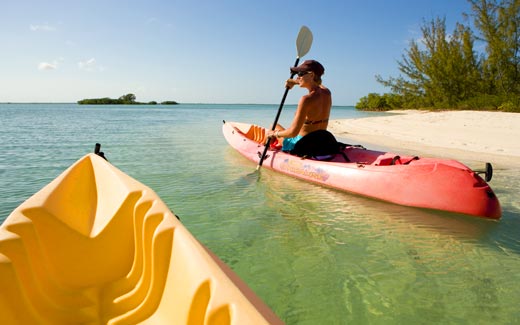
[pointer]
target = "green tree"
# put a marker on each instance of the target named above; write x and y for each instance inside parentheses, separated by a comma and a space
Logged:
(443, 70)
(439, 71)
(499, 25)
(376, 102)
(127, 99)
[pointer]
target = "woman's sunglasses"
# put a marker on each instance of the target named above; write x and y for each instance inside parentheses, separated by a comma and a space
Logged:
(303, 73)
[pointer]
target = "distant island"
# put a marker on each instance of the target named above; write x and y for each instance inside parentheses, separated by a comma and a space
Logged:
(128, 99)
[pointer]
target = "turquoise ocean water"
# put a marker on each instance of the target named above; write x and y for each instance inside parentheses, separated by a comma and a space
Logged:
(314, 255)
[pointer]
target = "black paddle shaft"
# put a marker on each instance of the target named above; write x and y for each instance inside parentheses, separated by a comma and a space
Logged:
(277, 116)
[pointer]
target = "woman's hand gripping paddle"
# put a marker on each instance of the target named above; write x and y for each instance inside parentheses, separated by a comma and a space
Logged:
(303, 45)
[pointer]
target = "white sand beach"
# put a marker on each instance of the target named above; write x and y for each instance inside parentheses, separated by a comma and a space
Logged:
(470, 136)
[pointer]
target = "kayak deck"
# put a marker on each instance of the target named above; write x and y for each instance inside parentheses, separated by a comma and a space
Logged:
(97, 247)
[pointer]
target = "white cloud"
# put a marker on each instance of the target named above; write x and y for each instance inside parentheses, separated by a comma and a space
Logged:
(90, 65)
(51, 66)
(48, 66)
(44, 28)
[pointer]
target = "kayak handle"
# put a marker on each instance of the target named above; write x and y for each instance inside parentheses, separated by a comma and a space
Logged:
(97, 151)
(488, 172)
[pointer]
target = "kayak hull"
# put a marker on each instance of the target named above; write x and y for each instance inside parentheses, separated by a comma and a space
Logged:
(97, 247)
(430, 183)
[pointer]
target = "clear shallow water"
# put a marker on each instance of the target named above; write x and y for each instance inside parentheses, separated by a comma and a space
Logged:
(315, 255)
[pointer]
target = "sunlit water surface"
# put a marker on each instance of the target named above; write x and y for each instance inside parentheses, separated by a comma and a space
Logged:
(314, 255)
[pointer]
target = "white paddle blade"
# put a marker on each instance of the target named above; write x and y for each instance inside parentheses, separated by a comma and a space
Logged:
(304, 41)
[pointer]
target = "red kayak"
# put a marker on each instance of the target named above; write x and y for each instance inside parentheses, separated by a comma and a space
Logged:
(431, 183)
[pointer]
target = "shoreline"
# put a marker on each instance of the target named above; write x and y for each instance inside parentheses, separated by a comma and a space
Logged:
(470, 136)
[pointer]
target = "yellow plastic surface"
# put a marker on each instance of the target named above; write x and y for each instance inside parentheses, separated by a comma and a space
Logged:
(97, 247)
(257, 134)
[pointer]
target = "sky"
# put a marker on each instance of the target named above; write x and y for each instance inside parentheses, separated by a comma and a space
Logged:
(204, 51)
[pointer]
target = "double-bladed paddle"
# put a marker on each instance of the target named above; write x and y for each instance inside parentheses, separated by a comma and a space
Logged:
(303, 45)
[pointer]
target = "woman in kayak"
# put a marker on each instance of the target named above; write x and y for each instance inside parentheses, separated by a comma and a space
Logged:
(313, 109)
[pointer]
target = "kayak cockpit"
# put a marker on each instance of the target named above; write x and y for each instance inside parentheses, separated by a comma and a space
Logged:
(355, 153)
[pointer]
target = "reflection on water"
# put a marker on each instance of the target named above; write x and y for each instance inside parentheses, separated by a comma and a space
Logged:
(315, 255)
(381, 262)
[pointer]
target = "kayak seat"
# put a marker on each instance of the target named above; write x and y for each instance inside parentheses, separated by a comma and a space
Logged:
(257, 134)
(320, 145)
(90, 246)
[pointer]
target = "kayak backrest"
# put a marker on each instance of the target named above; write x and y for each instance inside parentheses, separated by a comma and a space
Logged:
(257, 134)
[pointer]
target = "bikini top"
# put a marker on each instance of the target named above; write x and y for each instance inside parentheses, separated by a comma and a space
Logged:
(316, 122)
